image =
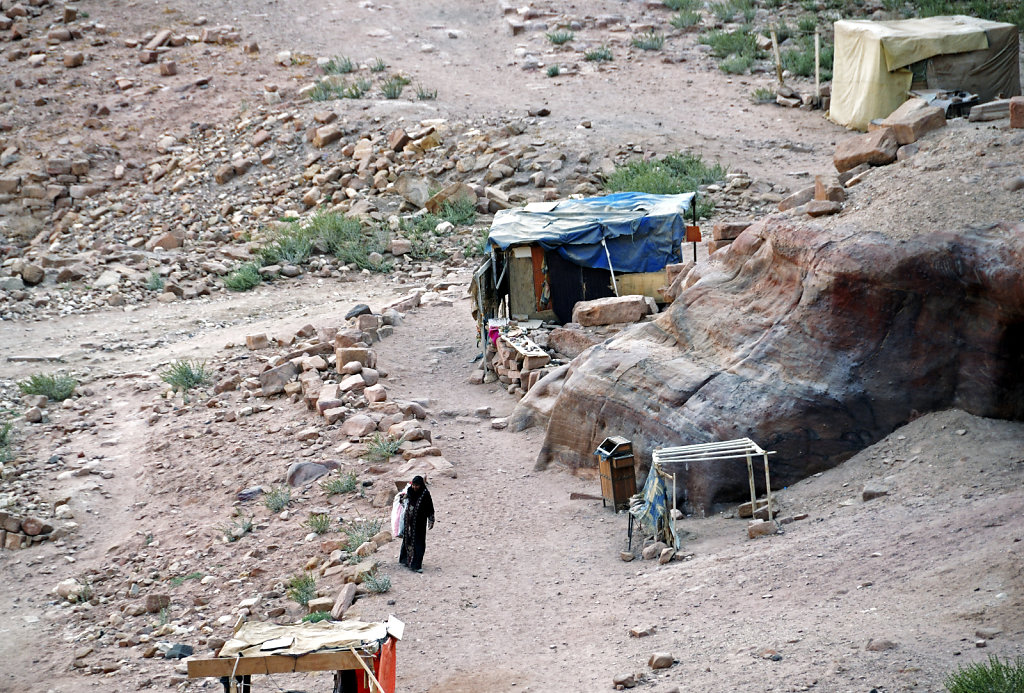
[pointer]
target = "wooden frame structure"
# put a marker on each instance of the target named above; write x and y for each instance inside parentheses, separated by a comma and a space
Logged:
(723, 451)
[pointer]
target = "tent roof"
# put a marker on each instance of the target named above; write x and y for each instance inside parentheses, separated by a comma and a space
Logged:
(642, 232)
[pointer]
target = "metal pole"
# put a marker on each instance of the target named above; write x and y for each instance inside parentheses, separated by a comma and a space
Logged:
(753, 493)
(611, 269)
(768, 487)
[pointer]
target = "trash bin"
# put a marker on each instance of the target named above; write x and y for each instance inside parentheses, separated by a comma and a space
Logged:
(618, 476)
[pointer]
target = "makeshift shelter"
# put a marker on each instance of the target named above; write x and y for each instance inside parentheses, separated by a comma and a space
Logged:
(547, 257)
(877, 63)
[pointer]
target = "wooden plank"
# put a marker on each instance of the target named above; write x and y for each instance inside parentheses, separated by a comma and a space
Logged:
(521, 297)
(642, 283)
(275, 664)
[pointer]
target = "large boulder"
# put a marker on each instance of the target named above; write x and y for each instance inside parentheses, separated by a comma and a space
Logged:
(813, 342)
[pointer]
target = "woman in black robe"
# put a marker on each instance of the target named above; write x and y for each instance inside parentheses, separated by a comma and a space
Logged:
(419, 515)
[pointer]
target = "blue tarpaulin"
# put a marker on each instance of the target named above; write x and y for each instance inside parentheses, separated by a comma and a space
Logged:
(650, 513)
(643, 232)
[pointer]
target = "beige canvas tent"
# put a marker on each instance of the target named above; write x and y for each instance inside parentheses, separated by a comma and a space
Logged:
(877, 62)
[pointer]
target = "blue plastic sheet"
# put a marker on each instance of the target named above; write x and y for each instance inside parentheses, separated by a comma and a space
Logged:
(643, 232)
(655, 500)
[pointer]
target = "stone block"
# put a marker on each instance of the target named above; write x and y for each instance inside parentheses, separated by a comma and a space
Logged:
(913, 119)
(661, 660)
(877, 148)
(346, 355)
(820, 208)
(829, 188)
(760, 528)
(609, 311)
(728, 230)
(800, 197)
(358, 426)
(320, 604)
(168, 68)
(273, 380)
(326, 135)
(156, 602)
(1017, 112)
(257, 341)
(376, 393)
(346, 597)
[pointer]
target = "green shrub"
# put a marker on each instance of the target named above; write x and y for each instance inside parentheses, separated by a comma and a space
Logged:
(649, 41)
(336, 485)
(56, 388)
(180, 579)
(671, 175)
(316, 617)
(724, 11)
(244, 278)
(238, 528)
(994, 676)
(339, 65)
(378, 65)
(378, 583)
(5, 442)
(392, 88)
(184, 374)
(599, 55)
(726, 43)
(560, 37)
(460, 211)
(320, 523)
(277, 499)
(327, 91)
(683, 5)
(554, 70)
(800, 60)
(476, 245)
(291, 246)
(345, 239)
(424, 94)
(763, 95)
(736, 64)
(302, 588)
(382, 447)
(686, 19)
(359, 532)
(155, 282)
(806, 24)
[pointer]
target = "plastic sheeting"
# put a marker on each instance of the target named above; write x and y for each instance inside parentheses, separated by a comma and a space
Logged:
(651, 512)
(248, 640)
(871, 79)
(643, 232)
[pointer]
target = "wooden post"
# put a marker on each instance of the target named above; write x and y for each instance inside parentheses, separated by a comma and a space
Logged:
(817, 71)
(778, 56)
(768, 487)
(753, 493)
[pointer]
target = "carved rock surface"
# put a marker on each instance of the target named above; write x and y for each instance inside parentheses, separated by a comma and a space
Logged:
(813, 342)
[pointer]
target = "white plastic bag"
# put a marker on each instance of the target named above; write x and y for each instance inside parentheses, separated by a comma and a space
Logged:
(398, 515)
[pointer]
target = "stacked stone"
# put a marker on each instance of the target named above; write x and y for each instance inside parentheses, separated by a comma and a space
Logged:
(20, 533)
(518, 368)
(723, 233)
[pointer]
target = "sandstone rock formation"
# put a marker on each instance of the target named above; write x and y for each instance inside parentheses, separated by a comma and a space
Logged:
(813, 342)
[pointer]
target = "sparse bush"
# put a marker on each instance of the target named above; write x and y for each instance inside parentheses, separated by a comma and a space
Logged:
(599, 55)
(376, 582)
(763, 95)
(180, 580)
(800, 60)
(336, 485)
(238, 528)
(5, 442)
(382, 447)
(460, 211)
(424, 94)
(184, 374)
(726, 43)
(291, 246)
(392, 88)
(724, 11)
(327, 91)
(155, 282)
(994, 676)
(56, 388)
(671, 175)
(339, 65)
(560, 37)
(736, 64)
(476, 246)
(320, 523)
(277, 499)
(244, 278)
(682, 5)
(358, 89)
(806, 24)
(359, 532)
(302, 588)
(345, 239)
(316, 617)
(686, 19)
(649, 41)
(378, 65)
(554, 70)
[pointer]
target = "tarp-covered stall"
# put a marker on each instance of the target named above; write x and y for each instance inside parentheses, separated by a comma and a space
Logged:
(547, 257)
(874, 65)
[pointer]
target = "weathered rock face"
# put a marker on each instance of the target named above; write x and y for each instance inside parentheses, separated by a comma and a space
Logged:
(814, 343)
